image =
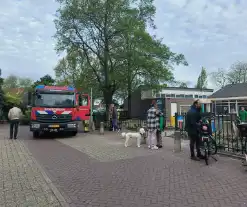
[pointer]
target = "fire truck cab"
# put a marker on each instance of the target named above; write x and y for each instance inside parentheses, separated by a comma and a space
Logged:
(57, 109)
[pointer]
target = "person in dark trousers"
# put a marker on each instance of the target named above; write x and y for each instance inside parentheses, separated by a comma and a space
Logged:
(114, 118)
(193, 118)
(14, 115)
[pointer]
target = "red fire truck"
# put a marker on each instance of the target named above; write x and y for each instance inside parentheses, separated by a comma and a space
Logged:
(57, 109)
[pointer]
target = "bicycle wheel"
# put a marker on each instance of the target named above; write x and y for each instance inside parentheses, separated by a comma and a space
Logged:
(206, 152)
(213, 146)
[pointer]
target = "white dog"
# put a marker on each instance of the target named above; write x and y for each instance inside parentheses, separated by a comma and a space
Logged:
(137, 135)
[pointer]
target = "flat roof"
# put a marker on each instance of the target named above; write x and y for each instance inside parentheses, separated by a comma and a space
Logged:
(188, 89)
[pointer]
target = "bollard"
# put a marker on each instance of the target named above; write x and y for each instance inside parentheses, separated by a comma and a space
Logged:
(177, 141)
(101, 130)
(123, 126)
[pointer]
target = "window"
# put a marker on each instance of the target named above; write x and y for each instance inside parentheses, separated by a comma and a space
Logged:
(222, 107)
(189, 96)
(83, 100)
(180, 96)
(200, 96)
(163, 95)
(204, 96)
(157, 95)
(55, 100)
(172, 95)
(196, 96)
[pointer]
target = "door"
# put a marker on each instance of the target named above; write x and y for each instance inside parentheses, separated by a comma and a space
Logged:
(173, 111)
(83, 110)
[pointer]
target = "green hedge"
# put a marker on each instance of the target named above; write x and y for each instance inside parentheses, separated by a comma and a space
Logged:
(26, 118)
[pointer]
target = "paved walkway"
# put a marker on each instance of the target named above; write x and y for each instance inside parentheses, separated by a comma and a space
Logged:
(98, 171)
(110, 146)
(92, 170)
(22, 181)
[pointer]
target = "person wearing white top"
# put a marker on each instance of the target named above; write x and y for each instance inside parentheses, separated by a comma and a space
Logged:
(14, 116)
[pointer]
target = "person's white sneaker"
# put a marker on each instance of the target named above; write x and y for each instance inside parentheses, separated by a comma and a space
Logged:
(149, 147)
(155, 148)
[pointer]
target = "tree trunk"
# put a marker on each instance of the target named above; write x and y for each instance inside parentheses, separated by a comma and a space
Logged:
(129, 97)
(107, 93)
(129, 77)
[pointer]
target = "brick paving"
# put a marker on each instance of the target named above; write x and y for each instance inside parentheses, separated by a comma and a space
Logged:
(106, 148)
(22, 181)
(97, 171)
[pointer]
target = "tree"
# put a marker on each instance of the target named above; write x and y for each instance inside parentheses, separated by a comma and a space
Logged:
(73, 69)
(237, 73)
(91, 26)
(25, 83)
(13, 82)
(46, 80)
(202, 79)
(111, 36)
(183, 85)
(219, 77)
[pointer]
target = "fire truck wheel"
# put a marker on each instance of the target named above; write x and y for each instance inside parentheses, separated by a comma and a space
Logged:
(35, 134)
(74, 133)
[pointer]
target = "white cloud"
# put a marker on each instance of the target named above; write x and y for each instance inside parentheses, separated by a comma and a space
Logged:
(210, 33)
(26, 44)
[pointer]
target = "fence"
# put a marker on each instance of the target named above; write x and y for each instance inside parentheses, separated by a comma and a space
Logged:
(123, 121)
(229, 134)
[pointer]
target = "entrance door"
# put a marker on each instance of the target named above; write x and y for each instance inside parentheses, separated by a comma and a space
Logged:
(84, 107)
(173, 111)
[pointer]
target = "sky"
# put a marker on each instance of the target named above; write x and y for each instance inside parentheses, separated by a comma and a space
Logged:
(210, 33)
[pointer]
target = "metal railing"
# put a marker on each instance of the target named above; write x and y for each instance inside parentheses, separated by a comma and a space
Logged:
(229, 134)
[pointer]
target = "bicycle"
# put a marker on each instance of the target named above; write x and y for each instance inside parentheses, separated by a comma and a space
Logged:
(209, 147)
(208, 143)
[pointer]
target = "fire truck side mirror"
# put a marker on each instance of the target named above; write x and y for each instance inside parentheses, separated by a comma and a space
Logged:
(27, 99)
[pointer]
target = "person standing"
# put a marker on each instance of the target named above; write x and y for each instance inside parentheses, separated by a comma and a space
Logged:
(152, 126)
(243, 115)
(14, 115)
(114, 118)
(193, 118)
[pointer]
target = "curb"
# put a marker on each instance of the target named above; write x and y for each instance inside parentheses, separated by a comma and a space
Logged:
(56, 192)
(239, 157)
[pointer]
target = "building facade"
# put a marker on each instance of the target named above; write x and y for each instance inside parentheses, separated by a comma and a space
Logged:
(229, 99)
(171, 100)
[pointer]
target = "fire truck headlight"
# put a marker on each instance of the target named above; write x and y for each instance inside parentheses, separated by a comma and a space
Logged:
(71, 125)
(35, 126)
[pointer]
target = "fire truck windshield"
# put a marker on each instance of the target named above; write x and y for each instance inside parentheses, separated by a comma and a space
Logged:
(55, 100)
